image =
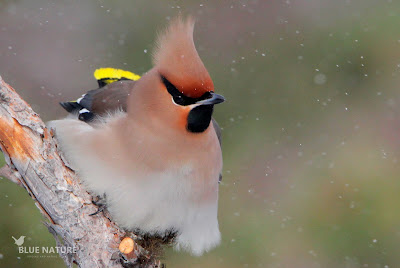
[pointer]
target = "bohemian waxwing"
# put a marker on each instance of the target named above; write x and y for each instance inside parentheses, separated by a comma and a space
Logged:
(149, 145)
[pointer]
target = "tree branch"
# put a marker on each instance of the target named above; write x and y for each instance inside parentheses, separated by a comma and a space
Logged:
(34, 163)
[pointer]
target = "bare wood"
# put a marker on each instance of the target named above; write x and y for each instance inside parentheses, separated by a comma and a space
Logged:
(34, 163)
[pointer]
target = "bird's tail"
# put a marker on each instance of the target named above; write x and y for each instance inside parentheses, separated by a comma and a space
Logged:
(14, 238)
(105, 76)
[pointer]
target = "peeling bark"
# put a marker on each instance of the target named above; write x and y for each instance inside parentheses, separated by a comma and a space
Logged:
(34, 163)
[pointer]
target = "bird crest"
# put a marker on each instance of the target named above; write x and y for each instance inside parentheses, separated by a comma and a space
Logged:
(177, 59)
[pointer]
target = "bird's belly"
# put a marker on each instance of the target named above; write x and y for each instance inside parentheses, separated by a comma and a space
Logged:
(166, 202)
(159, 202)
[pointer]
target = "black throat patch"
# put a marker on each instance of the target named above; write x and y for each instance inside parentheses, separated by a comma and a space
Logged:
(199, 118)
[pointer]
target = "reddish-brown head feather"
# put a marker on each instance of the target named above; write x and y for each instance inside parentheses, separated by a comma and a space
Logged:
(176, 58)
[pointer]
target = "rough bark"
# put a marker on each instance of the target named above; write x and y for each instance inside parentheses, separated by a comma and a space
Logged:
(34, 163)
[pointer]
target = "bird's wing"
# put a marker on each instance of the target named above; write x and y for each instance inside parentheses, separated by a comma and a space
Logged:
(219, 136)
(108, 98)
(217, 131)
(115, 86)
(98, 102)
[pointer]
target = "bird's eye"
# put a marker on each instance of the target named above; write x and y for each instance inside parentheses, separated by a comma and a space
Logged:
(179, 101)
(179, 97)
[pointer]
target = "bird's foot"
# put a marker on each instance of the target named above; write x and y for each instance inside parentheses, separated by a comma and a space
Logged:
(100, 202)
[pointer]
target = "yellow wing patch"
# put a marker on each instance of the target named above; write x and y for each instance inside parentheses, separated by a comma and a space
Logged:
(109, 75)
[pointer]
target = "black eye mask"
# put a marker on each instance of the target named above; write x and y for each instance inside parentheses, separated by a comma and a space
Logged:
(179, 97)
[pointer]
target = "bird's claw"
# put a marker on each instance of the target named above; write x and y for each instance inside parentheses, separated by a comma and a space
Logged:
(101, 203)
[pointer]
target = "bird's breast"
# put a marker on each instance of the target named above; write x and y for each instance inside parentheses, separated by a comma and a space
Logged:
(190, 162)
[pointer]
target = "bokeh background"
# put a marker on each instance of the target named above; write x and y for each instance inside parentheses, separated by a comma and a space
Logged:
(311, 127)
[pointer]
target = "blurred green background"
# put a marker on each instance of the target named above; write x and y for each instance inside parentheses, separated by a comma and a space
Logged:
(311, 127)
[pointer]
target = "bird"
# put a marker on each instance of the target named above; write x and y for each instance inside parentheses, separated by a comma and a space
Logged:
(20, 241)
(149, 143)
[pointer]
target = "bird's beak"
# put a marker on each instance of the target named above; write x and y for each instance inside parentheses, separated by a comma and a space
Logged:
(214, 99)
